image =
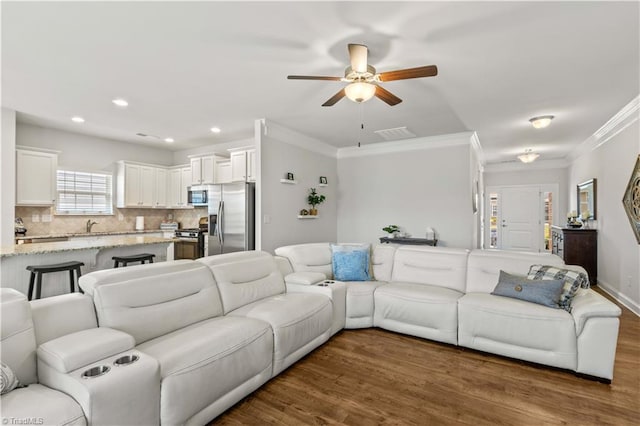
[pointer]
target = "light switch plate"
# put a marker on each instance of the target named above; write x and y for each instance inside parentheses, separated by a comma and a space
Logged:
(120, 217)
(46, 218)
(266, 219)
(35, 218)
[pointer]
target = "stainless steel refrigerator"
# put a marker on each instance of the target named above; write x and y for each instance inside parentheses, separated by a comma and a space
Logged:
(231, 217)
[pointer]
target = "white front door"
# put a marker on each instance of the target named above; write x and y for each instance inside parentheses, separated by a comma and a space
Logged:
(520, 219)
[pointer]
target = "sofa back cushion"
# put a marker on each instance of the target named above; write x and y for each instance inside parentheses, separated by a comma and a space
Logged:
(484, 266)
(245, 277)
(438, 266)
(17, 334)
(312, 257)
(148, 301)
(382, 262)
(57, 316)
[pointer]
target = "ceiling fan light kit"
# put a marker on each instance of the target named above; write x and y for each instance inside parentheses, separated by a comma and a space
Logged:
(364, 81)
(529, 156)
(541, 122)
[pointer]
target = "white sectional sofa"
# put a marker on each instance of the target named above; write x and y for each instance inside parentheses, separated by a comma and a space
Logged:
(180, 342)
(443, 294)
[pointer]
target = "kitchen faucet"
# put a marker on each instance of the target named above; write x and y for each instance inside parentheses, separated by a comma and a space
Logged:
(90, 224)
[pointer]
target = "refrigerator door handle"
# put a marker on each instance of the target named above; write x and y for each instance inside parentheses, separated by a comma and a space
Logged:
(220, 223)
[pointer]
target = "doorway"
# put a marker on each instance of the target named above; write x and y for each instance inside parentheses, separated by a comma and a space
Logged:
(520, 217)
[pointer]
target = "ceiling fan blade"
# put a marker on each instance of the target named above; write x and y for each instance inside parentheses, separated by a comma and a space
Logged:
(335, 98)
(358, 54)
(387, 96)
(313, 77)
(428, 71)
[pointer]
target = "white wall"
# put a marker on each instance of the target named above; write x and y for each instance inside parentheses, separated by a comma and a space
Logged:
(84, 152)
(618, 251)
(283, 150)
(7, 177)
(427, 185)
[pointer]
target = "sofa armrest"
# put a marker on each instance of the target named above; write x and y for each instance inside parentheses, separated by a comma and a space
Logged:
(304, 278)
(589, 304)
(335, 290)
(75, 350)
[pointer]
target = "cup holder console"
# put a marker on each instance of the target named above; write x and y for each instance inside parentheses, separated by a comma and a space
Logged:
(125, 360)
(96, 371)
(326, 283)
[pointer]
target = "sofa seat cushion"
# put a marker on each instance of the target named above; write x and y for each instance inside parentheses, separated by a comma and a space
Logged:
(517, 329)
(360, 303)
(203, 362)
(300, 323)
(40, 402)
(419, 310)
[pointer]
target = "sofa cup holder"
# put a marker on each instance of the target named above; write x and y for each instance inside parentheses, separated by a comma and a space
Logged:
(326, 283)
(125, 360)
(97, 371)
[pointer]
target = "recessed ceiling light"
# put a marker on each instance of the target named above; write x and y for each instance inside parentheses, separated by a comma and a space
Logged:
(120, 102)
(541, 122)
(215, 130)
(168, 140)
(77, 119)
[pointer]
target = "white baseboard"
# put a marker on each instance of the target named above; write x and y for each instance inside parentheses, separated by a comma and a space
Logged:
(620, 297)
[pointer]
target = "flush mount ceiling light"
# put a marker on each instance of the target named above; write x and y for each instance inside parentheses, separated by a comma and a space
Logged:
(120, 102)
(77, 119)
(360, 91)
(541, 122)
(528, 157)
(215, 130)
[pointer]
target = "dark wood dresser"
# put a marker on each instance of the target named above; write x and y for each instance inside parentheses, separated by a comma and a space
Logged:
(577, 247)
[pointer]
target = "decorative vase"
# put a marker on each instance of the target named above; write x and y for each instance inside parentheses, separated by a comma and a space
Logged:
(313, 212)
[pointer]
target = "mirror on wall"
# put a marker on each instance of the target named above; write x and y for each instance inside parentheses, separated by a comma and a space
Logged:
(587, 198)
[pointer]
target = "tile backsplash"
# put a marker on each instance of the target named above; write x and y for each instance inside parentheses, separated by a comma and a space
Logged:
(66, 224)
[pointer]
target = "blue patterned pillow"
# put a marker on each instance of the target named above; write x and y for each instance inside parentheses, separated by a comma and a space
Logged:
(573, 280)
(350, 262)
(542, 292)
(8, 380)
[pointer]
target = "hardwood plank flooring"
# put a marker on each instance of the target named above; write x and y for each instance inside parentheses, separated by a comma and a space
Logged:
(376, 377)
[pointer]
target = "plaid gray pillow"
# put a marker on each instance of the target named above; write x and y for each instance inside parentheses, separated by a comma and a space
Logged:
(573, 280)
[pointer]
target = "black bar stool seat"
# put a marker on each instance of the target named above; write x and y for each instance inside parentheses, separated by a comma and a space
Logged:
(125, 260)
(38, 270)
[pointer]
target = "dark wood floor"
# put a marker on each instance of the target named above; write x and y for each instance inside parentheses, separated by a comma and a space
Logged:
(373, 377)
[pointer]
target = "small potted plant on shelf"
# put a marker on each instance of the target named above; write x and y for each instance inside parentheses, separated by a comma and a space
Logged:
(314, 199)
(392, 230)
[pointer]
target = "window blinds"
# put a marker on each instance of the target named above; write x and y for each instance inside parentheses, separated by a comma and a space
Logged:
(83, 193)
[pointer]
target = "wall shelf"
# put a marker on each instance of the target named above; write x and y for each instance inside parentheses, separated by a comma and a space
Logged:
(308, 216)
(289, 181)
(323, 184)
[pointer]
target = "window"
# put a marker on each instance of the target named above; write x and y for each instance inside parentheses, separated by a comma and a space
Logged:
(82, 193)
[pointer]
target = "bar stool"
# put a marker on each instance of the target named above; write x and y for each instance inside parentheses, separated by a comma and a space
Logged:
(125, 260)
(38, 270)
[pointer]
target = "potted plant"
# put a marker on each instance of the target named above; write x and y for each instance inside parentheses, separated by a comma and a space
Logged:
(314, 199)
(392, 230)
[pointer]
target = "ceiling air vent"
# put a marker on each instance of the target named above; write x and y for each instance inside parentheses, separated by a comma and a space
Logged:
(141, 134)
(395, 134)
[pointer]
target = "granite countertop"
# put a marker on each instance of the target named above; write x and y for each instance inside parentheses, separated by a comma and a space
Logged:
(90, 234)
(82, 244)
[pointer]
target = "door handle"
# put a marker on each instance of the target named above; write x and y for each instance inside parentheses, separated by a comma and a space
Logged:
(221, 222)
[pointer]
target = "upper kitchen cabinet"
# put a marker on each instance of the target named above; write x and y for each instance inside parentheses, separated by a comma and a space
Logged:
(243, 166)
(136, 185)
(36, 177)
(203, 169)
(179, 182)
(161, 187)
(223, 171)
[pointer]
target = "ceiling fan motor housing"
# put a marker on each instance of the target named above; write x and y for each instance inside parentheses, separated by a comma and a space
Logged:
(369, 76)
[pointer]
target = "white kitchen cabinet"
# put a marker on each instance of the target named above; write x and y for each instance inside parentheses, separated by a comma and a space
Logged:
(203, 169)
(223, 171)
(243, 166)
(35, 178)
(161, 194)
(179, 182)
(136, 185)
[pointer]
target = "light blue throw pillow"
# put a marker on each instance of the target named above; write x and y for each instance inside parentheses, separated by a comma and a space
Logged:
(542, 292)
(350, 262)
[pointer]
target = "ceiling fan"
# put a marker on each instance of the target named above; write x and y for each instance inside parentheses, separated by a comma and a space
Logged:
(364, 81)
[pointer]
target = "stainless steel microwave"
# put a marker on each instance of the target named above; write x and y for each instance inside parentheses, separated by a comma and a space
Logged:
(197, 196)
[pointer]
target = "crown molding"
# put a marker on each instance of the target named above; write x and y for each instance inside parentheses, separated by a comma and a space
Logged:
(628, 115)
(271, 129)
(475, 144)
(518, 166)
(413, 144)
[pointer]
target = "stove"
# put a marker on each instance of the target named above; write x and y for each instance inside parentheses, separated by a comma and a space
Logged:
(190, 244)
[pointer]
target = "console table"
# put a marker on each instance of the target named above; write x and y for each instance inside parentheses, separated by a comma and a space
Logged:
(409, 241)
(577, 247)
